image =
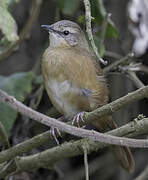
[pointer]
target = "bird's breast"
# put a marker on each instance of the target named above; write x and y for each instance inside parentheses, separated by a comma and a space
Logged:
(61, 94)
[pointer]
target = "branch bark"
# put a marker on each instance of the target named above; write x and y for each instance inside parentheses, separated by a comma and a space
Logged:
(93, 135)
(131, 129)
(118, 104)
(69, 149)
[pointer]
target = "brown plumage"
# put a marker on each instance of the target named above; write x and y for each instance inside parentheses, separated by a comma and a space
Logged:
(71, 80)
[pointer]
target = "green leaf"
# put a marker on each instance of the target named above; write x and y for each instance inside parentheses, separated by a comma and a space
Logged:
(112, 31)
(4, 3)
(8, 25)
(68, 7)
(81, 20)
(16, 85)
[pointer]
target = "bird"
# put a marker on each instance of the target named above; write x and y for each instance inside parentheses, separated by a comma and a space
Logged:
(73, 81)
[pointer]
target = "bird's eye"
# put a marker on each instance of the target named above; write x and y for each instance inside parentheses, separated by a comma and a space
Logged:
(66, 32)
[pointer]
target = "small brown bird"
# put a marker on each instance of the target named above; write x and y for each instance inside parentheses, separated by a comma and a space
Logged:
(72, 80)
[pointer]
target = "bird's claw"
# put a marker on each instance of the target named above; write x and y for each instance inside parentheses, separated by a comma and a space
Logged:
(78, 118)
(52, 131)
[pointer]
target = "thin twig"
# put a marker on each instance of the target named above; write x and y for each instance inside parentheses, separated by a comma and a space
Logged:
(89, 30)
(113, 55)
(4, 136)
(95, 165)
(131, 70)
(36, 4)
(115, 64)
(86, 162)
(143, 68)
(93, 135)
(8, 168)
(132, 75)
(143, 175)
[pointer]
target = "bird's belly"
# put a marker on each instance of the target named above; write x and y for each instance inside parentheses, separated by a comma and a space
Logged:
(59, 93)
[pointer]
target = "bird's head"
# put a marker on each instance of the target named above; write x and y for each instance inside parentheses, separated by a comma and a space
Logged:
(66, 33)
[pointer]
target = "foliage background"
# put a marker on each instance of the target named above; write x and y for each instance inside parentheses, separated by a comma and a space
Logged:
(20, 76)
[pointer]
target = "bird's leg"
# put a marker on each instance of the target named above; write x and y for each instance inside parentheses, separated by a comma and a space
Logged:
(78, 118)
(52, 131)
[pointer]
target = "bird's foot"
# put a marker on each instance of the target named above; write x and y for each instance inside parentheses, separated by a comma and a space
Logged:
(78, 118)
(52, 131)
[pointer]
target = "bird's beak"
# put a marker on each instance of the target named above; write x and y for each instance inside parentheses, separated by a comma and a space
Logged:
(48, 27)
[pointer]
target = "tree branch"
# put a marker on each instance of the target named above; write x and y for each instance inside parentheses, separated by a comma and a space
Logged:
(93, 135)
(132, 75)
(113, 55)
(131, 129)
(143, 68)
(69, 149)
(115, 64)
(118, 104)
(88, 18)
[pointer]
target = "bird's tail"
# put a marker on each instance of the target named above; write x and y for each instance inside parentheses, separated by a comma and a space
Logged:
(122, 153)
(125, 157)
